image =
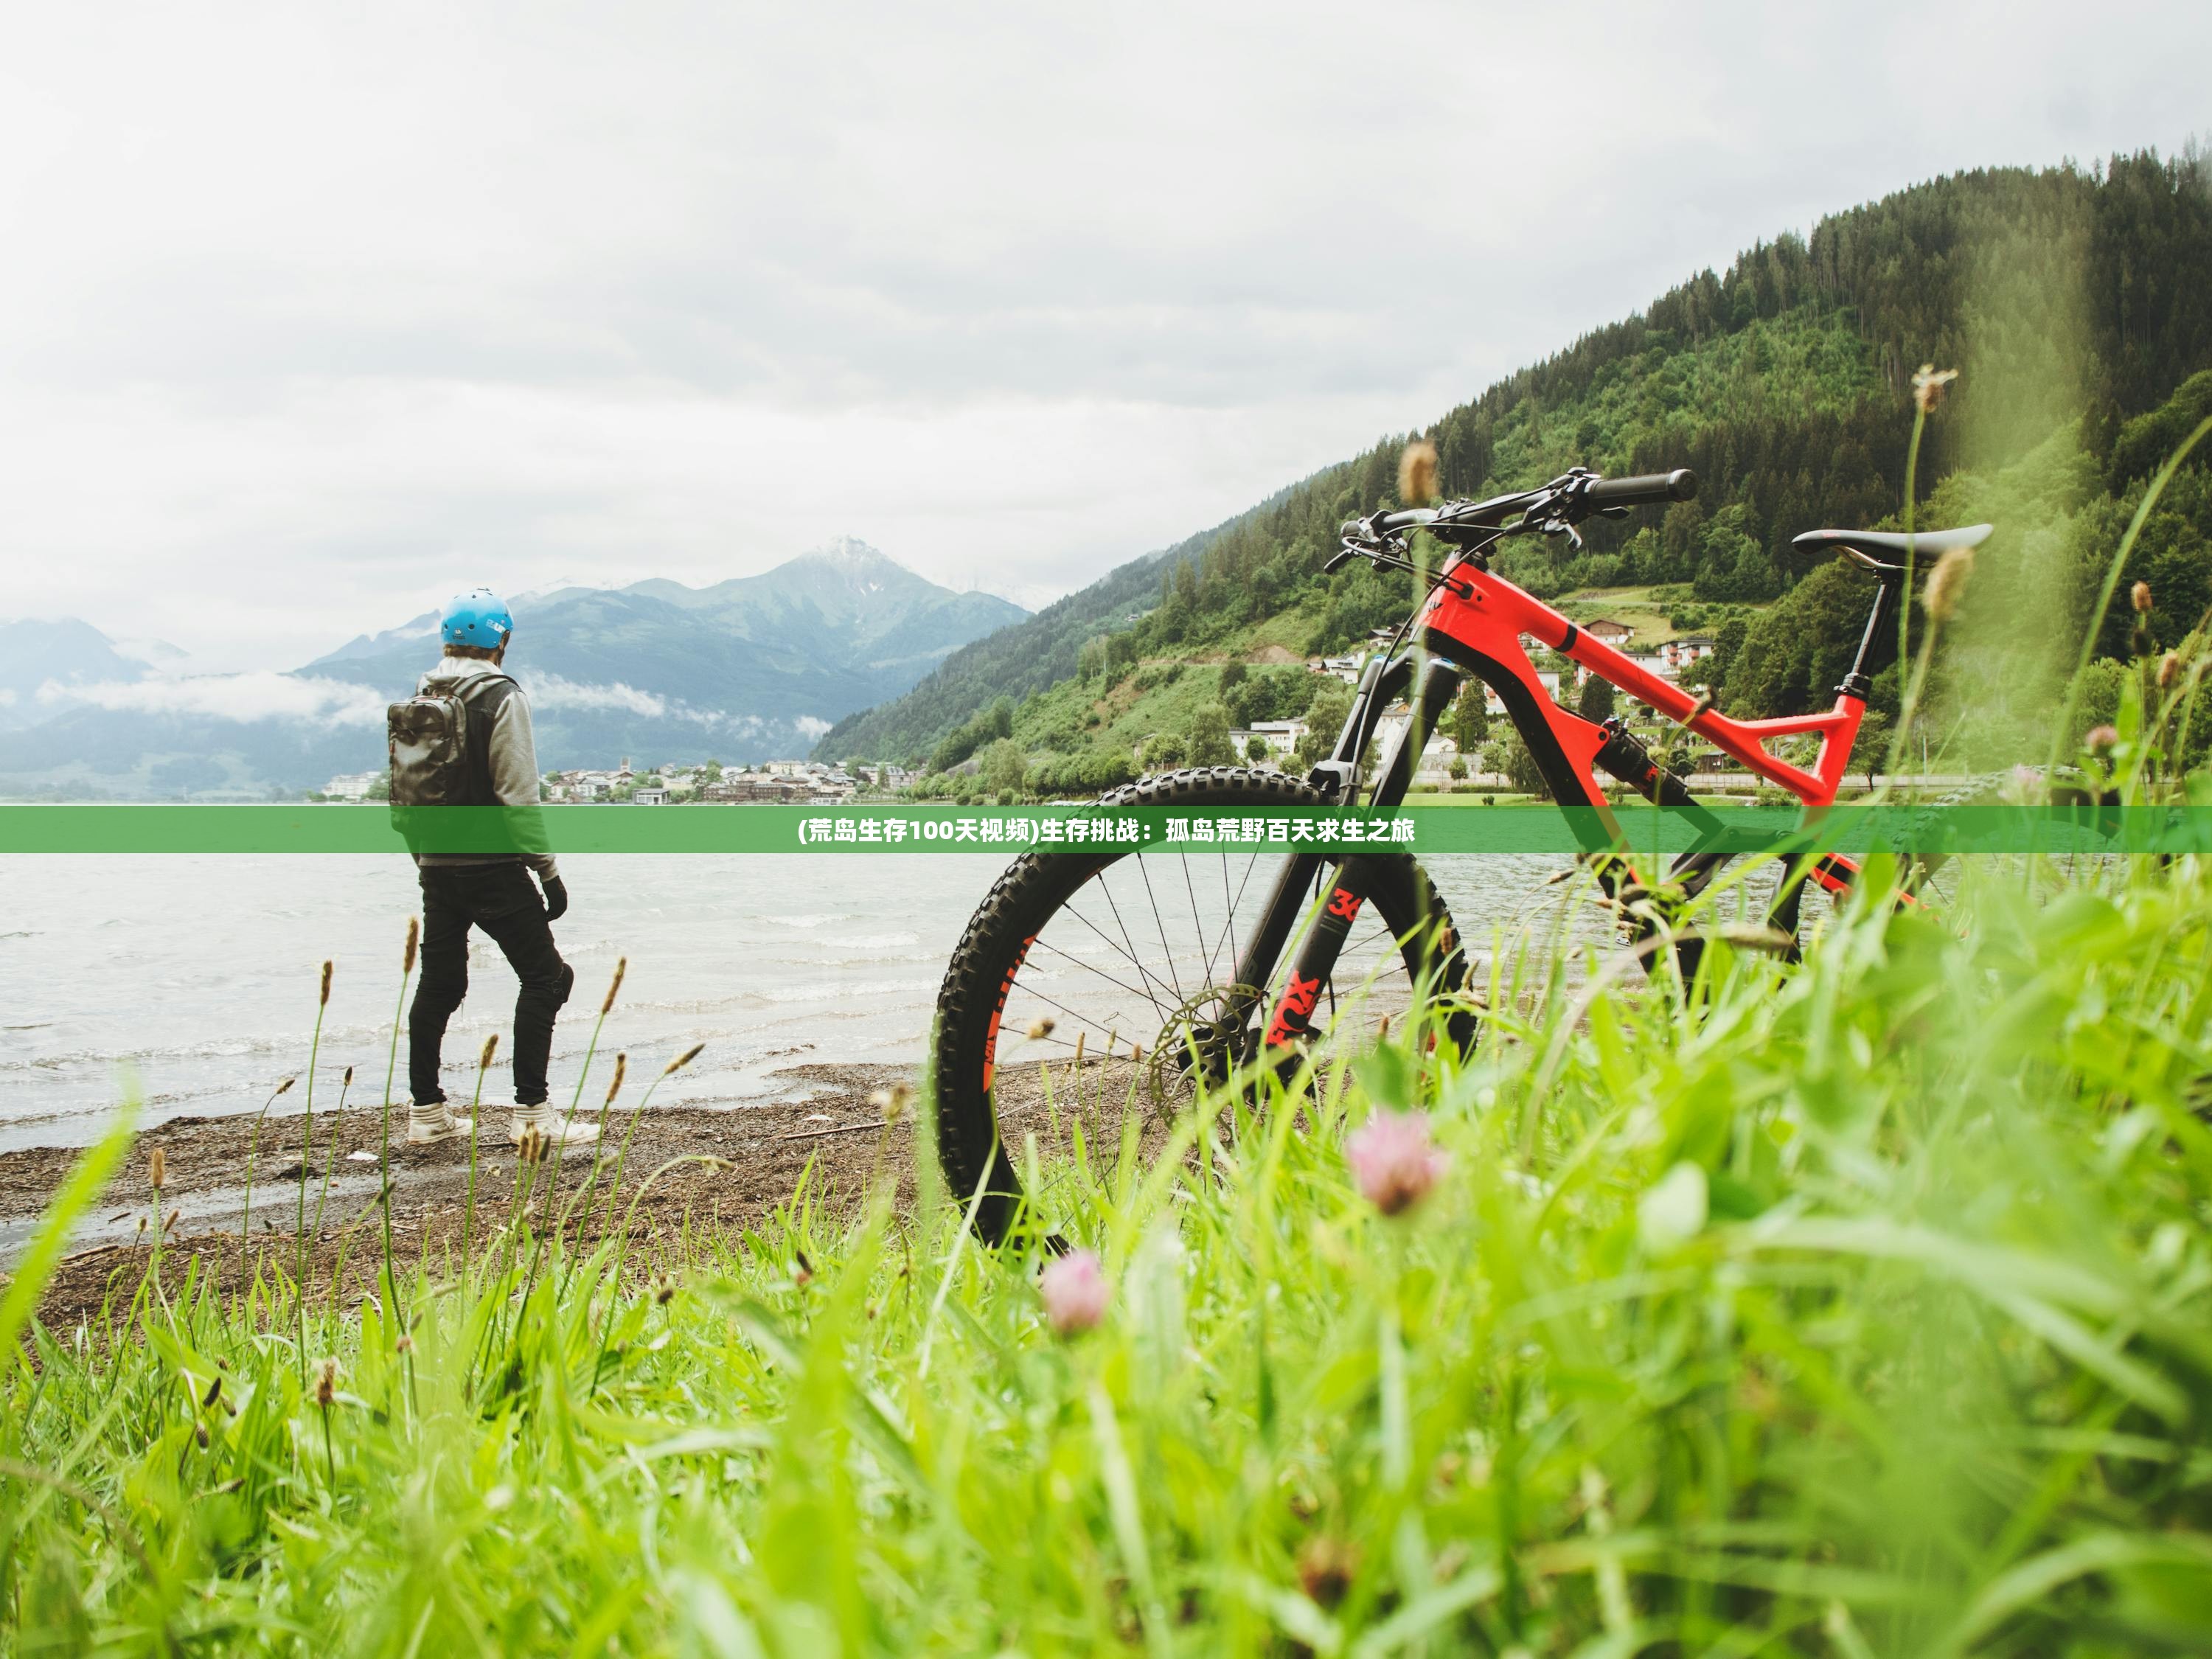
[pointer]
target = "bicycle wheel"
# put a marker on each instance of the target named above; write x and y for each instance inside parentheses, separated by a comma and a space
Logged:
(1125, 967)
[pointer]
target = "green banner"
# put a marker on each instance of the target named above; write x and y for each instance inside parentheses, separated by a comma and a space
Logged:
(1003, 831)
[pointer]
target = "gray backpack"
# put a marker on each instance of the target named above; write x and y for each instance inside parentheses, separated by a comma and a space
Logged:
(441, 743)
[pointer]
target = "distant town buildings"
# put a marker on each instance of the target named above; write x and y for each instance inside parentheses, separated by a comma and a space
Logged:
(352, 786)
(774, 788)
(793, 781)
(578, 786)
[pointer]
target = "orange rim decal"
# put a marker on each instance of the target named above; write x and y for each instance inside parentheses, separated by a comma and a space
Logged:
(999, 1012)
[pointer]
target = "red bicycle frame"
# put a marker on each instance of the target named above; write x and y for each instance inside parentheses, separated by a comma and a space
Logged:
(1477, 619)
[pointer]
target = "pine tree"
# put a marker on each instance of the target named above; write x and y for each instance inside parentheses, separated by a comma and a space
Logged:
(1468, 723)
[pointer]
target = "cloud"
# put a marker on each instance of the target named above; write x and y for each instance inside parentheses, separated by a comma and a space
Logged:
(1015, 294)
(551, 691)
(259, 696)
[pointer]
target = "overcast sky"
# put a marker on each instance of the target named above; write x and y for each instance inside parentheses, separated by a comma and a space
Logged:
(312, 314)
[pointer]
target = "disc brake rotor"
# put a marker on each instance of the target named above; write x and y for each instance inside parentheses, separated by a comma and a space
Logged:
(1198, 1045)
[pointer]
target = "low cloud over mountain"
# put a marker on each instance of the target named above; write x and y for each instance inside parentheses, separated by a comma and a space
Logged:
(745, 670)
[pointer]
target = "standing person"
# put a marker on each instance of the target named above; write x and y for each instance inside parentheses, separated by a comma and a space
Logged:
(466, 741)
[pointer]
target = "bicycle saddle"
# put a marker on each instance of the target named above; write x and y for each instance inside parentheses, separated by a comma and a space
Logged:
(1855, 543)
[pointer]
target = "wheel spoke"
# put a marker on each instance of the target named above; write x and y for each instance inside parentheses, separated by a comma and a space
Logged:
(1196, 925)
(1378, 937)
(1229, 910)
(1235, 952)
(1128, 952)
(1173, 978)
(1091, 968)
(1107, 1031)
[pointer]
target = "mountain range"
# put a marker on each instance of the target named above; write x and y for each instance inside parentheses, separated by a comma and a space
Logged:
(36, 656)
(750, 669)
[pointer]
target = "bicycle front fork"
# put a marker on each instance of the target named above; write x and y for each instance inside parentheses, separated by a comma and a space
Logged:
(1291, 1019)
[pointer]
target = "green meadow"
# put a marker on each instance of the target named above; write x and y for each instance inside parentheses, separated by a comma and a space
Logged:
(1857, 1306)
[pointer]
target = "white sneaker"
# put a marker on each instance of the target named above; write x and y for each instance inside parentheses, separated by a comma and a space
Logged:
(428, 1125)
(549, 1130)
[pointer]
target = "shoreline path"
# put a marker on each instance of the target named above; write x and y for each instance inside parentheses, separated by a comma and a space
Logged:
(759, 1151)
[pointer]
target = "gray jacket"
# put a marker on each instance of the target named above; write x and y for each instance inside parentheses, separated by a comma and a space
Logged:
(513, 761)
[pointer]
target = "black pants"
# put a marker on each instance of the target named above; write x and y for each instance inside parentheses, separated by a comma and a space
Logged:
(503, 901)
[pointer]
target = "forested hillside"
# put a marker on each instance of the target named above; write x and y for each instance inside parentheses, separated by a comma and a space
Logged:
(2073, 302)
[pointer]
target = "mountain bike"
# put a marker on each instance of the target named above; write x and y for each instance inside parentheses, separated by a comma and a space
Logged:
(1171, 973)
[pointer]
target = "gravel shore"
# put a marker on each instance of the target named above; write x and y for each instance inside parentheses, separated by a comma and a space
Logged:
(743, 1161)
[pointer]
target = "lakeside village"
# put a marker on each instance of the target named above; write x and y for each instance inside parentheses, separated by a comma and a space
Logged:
(1269, 743)
(786, 782)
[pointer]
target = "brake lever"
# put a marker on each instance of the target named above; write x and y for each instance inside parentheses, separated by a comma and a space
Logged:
(1373, 545)
(1562, 510)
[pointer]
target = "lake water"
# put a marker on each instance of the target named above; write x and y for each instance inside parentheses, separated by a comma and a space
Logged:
(193, 978)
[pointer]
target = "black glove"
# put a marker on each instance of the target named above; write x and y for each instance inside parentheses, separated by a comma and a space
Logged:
(557, 898)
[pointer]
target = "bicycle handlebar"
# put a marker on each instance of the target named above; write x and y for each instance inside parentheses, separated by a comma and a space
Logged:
(1557, 506)
(1648, 489)
(1410, 519)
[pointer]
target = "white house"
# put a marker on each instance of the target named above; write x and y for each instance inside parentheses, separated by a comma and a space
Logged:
(1437, 756)
(649, 796)
(353, 785)
(1548, 677)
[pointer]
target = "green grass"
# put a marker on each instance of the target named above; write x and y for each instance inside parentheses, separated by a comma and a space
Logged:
(1862, 1307)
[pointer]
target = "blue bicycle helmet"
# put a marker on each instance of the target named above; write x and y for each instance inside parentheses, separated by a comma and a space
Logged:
(478, 618)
